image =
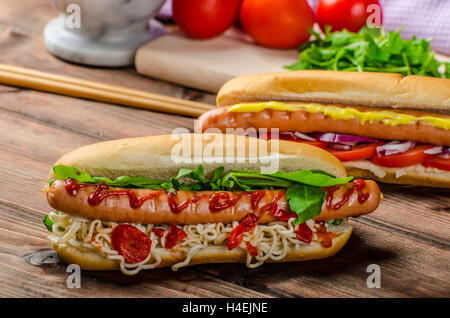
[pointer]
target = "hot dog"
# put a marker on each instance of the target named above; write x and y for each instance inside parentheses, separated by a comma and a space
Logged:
(382, 126)
(125, 205)
(199, 208)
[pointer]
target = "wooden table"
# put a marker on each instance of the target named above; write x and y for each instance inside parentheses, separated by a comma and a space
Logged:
(408, 236)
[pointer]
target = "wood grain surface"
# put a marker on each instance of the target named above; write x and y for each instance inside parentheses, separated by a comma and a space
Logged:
(408, 236)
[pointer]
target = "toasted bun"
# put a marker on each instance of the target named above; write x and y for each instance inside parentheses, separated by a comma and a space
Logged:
(151, 156)
(440, 179)
(90, 260)
(351, 88)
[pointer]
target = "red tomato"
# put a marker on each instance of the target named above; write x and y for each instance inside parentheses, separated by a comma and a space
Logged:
(277, 23)
(438, 163)
(237, 234)
(347, 14)
(203, 19)
(251, 249)
(358, 152)
(133, 244)
(409, 158)
(304, 233)
(173, 236)
(320, 144)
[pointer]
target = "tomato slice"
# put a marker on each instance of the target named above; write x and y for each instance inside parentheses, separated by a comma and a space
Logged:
(358, 152)
(237, 234)
(130, 242)
(320, 144)
(251, 249)
(304, 233)
(174, 236)
(438, 163)
(411, 157)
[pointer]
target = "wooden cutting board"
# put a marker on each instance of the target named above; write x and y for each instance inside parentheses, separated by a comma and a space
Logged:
(208, 64)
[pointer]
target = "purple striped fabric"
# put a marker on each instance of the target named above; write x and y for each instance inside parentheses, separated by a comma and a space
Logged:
(422, 18)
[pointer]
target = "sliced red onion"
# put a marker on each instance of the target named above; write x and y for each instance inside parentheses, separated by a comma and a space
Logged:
(289, 135)
(435, 150)
(395, 147)
(339, 146)
(350, 140)
(447, 149)
(304, 136)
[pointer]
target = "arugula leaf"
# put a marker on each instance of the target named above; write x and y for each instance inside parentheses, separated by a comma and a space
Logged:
(65, 172)
(371, 49)
(196, 174)
(48, 223)
(305, 200)
(315, 178)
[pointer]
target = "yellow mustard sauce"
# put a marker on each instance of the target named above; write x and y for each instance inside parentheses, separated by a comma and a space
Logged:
(346, 113)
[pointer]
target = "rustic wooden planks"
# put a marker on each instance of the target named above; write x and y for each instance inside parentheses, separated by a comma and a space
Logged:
(408, 236)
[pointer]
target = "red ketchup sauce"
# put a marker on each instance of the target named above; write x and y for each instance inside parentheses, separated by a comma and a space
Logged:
(358, 184)
(217, 202)
(325, 237)
(277, 211)
(72, 186)
(101, 192)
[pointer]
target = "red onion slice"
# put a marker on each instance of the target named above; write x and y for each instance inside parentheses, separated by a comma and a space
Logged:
(435, 150)
(339, 146)
(350, 140)
(395, 147)
(304, 136)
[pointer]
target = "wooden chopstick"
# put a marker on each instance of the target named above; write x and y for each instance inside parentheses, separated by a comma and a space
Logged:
(65, 85)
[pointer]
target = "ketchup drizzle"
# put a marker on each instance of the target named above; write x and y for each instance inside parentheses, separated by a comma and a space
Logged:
(217, 202)
(72, 186)
(358, 184)
(325, 237)
(96, 197)
(183, 205)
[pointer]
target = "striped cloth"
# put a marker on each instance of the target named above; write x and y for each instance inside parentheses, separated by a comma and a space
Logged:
(422, 18)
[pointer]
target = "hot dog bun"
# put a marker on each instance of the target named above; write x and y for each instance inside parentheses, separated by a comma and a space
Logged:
(351, 88)
(415, 175)
(88, 260)
(151, 156)
(86, 237)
